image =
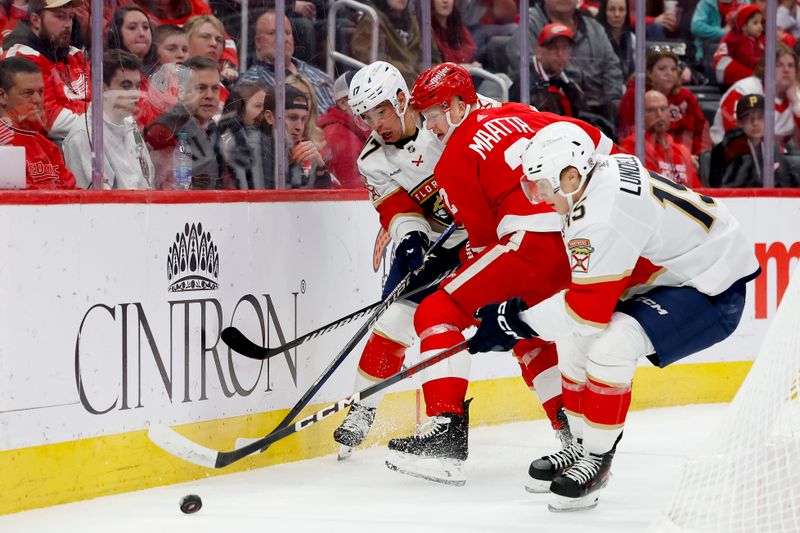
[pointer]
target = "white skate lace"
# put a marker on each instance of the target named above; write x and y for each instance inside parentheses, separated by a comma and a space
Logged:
(357, 420)
(432, 426)
(585, 469)
(567, 456)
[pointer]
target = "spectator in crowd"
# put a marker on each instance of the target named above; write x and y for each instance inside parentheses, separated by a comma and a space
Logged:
(130, 31)
(738, 161)
(312, 130)
(399, 39)
(660, 21)
(662, 154)
(741, 48)
(594, 65)
(198, 102)
(452, 37)
(263, 68)
(305, 169)
(178, 13)
(17, 10)
(344, 138)
(489, 18)
(171, 44)
(688, 126)
(613, 16)
(787, 97)
(247, 141)
(551, 89)
(22, 101)
(709, 22)
(789, 17)
(45, 40)
(205, 36)
(126, 160)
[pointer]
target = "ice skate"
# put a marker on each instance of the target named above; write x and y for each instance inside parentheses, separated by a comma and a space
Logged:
(353, 429)
(576, 489)
(437, 451)
(543, 470)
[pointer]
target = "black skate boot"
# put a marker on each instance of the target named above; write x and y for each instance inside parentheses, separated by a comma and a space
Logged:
(354, 429)
(576, 488)
(543, 470)
(436, 452)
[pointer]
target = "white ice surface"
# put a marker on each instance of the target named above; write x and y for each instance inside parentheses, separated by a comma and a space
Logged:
(362, 495)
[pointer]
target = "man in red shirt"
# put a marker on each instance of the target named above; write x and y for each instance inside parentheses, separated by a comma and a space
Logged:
(517, 247)
(45, 41)
(662, 154)
(22, 104)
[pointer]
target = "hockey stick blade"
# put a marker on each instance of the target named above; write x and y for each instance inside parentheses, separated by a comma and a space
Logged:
(176, 444)
(240, 343)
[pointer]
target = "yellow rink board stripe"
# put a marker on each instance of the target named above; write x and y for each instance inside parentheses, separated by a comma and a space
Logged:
(71, 471)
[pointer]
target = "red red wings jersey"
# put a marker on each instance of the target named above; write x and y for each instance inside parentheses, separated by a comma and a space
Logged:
(67, 91)
(44, 164)
(480, 170)
(632, 230)
(402, 185)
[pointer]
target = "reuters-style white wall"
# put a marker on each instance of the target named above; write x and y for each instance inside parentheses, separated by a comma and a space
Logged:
(98, 339)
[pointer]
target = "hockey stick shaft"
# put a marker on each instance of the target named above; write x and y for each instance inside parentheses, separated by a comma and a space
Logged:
(239, 342)
(362, 331)
(184, 448)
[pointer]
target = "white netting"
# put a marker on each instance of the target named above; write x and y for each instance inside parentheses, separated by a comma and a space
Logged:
(747, 476)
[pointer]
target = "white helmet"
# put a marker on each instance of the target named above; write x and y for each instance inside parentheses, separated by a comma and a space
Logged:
(554, 148)
(377, 83)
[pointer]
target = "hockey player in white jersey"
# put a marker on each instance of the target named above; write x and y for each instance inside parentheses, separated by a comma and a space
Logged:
(657, 271)
(397, 165)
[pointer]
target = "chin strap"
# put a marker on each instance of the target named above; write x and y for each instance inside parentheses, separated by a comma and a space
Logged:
(451, 127)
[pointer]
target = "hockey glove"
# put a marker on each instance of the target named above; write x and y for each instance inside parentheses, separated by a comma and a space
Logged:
(500, 328)
(408, 257)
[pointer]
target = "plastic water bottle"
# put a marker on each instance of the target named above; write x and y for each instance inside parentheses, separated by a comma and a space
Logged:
(182, 163)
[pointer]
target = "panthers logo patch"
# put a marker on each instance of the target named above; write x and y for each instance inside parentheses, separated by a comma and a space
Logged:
(580, 251)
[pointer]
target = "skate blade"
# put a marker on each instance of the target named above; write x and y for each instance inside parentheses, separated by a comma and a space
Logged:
(562, 504)
(537, 486)
(439, 470)
(344, 452)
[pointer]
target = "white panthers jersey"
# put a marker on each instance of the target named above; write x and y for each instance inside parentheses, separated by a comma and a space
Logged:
(399, 177)
(633, 230)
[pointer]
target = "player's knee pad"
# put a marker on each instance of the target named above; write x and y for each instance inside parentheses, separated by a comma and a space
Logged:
(613, 354)
(397, 323)
(572, 357)
(440, 308)
(539, 362)
(382, 357)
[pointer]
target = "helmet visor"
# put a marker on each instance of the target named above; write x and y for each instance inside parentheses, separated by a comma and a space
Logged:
(538, 192)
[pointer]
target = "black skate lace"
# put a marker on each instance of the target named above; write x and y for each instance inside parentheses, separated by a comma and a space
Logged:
(585, 469)
(567, 456)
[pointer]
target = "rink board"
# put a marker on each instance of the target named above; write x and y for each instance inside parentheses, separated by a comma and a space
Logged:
(113, 303)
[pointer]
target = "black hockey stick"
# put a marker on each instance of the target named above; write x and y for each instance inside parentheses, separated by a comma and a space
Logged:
(239, 342)
(362, 331)
(176, 444)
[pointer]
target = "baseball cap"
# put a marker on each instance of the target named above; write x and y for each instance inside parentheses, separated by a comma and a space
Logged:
(295, 99)
(38, 5)
(556, 29)
(749, 103)
(341, 86)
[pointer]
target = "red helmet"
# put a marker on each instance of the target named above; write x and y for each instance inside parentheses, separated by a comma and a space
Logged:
(439, 84)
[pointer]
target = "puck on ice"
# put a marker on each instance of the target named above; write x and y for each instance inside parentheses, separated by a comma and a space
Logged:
(191, 503)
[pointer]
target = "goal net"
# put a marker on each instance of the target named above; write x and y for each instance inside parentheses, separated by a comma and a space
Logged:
(746, 478)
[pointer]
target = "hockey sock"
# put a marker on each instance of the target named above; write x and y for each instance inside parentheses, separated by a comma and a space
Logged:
(382, 358)
(573, 397)
(605, 407)
(539, 364)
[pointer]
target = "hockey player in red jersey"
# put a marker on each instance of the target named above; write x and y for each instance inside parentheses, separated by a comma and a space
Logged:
(397, 167)
(518, 251)
(657, 271)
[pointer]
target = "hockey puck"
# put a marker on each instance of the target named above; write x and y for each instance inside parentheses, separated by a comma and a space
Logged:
(191, 503)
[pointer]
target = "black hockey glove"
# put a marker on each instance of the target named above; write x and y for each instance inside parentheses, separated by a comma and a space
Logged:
(408, 257)
(500, 328)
